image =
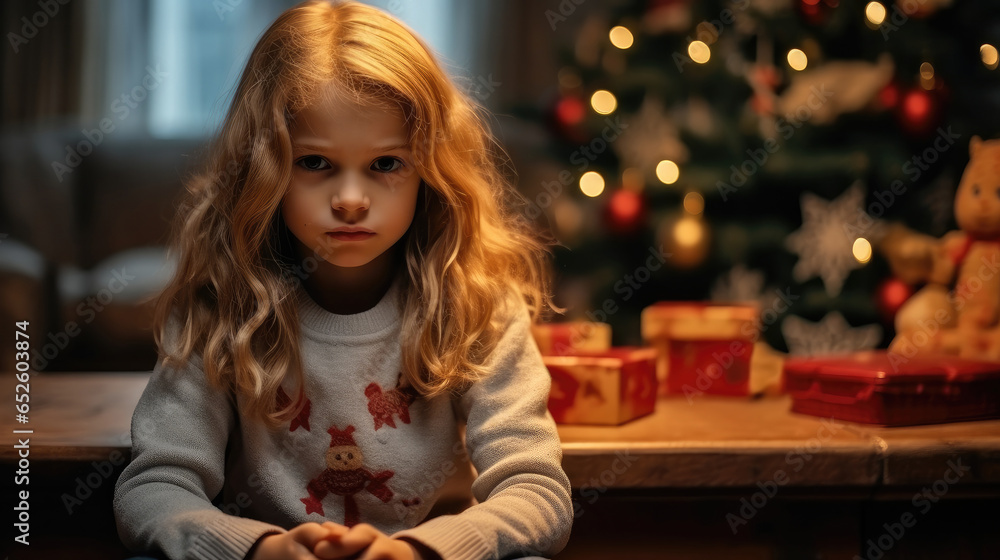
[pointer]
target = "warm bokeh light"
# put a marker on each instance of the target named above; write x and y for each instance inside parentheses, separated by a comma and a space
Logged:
(862, 250)
(694, 203)
(989, 55)
(667, 172)
(688, 231)
(632, 180)
(797, 59)
(927, 76)
(568, 217)
(875, 12)
(699, 52)
(603, 101)
(569, 78)
(592, 183)
(926, 70)
(621, 37)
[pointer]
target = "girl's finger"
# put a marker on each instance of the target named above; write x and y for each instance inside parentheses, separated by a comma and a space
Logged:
(335, 529)
(308, 534)
(345, 542)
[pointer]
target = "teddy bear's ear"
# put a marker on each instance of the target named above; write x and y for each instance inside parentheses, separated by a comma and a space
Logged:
(974, 145)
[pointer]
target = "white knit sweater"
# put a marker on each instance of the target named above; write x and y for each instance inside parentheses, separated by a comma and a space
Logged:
(362, 451)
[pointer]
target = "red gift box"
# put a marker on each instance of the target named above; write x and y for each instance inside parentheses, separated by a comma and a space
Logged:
(565, 338)
(703, 347)
(608, 387)
(879, 387)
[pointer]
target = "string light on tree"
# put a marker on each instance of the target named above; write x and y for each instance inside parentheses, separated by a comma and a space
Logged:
(875, 14)
(686, 237)
(699, 52)
(989, 55)
(862, 250)
(927, 76)
(797, 59)
(668, 172)
(633, 180)
(569, 78)
(592, 184)
(694, 203)
(604, 102)
(621, 37)
(568, 217)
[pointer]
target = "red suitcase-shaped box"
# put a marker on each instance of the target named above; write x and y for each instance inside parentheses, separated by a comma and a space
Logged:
(891, 390)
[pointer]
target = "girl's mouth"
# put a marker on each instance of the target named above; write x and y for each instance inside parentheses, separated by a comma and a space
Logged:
(350, 236)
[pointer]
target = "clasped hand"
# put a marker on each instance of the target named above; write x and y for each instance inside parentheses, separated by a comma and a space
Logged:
(330, 541)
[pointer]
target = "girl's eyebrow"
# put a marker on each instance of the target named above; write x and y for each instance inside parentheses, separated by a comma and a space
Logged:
(383, 148)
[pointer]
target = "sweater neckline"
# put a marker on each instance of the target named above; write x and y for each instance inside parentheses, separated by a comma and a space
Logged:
(385, 313)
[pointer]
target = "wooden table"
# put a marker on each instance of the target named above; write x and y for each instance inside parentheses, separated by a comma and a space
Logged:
(666, 485)
(727, 442)
(707, 443)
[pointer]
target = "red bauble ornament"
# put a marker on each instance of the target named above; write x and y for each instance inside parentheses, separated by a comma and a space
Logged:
(570, 111)
(918, 111)
(625, 211)
(918, 8)
(890, 296)
(566, 118)
(816, 12)
(888, 98)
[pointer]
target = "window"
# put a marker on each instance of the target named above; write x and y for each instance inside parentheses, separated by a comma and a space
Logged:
(199, 48)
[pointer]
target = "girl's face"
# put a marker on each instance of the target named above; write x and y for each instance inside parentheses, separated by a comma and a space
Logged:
(354, 185)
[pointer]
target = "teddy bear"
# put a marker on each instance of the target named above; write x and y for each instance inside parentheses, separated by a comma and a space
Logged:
(958, 310)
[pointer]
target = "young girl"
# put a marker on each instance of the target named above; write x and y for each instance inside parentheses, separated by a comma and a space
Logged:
(350, 292)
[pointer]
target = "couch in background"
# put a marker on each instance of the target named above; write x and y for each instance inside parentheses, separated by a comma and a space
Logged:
(82, 252)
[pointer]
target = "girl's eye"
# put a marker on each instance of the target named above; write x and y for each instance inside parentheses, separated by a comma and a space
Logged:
(975, 190)
(338, 457)
(386, 164)
(313, 163)
(350, 456)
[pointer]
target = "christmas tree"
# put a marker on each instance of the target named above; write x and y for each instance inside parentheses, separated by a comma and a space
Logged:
(758, 150)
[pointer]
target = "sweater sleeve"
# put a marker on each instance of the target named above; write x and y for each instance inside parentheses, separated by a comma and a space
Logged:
(524, 497)
(162, 500)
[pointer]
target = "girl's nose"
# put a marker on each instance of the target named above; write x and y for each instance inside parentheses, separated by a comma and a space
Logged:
(351, 196)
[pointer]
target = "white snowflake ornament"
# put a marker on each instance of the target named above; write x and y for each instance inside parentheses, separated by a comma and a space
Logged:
(740, 284)
(649, 137)
(831, 335)
(825, 242)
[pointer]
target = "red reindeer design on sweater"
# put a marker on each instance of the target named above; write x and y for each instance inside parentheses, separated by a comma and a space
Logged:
(345, 476)
(302, 419)
(383, 405)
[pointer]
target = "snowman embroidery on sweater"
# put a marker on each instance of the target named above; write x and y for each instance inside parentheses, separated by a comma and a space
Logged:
(345, 475)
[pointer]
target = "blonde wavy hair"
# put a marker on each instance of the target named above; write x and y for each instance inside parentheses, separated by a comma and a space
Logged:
(467, 248)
